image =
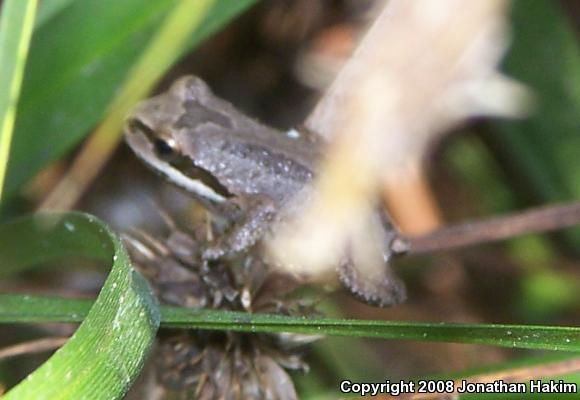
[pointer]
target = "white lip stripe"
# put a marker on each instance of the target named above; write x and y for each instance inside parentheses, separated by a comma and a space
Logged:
(191, 185)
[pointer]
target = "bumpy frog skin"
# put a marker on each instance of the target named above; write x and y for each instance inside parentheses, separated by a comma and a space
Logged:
(243, 170)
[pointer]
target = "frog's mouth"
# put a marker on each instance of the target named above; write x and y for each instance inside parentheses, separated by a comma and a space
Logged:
(176, 168)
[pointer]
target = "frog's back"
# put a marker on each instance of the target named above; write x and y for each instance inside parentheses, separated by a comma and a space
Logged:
(243, 154)
(246, 167)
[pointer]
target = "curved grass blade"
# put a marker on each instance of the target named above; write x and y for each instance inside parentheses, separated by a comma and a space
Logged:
(19, 308)
(16, 24)
(104, 356)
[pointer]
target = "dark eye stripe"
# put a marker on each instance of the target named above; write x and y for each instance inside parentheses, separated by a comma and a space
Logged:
(137, 125)
(186, 166)
(168, 153)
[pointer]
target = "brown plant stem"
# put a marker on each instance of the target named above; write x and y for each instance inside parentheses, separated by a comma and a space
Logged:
(33, 346)
(535, 220)
(524, 374)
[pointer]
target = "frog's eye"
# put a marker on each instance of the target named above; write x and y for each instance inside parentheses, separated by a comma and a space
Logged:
(164, 148)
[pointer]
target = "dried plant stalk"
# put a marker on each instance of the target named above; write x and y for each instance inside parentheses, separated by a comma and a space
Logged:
(33, 346)
(422, 67)
(534, 220)
(515, 375)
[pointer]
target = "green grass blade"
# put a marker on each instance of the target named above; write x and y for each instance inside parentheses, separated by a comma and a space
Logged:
(542, 151)
(78, 59)
(162, 52)
(105, 354)
(16, 24)
(158, 57)
(34, 309)
(20, 308)
(49, 9)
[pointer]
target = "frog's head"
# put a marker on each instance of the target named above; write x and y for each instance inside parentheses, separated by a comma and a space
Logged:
(154, 130)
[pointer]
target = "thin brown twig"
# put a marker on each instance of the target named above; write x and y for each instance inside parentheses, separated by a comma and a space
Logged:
(535, 220)
(33, 346)
(524, 374)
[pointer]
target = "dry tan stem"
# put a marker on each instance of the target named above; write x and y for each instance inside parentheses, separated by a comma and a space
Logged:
(541, 219)
(95, 153)
(34, 346)
(524, 374)
(411, 202)
(423, 66)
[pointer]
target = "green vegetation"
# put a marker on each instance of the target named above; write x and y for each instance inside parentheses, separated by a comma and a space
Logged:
(80, 73)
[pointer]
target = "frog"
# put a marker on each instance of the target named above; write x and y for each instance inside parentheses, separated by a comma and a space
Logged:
(244, 171)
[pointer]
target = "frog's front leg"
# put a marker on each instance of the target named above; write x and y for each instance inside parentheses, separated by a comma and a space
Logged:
(259, 212)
